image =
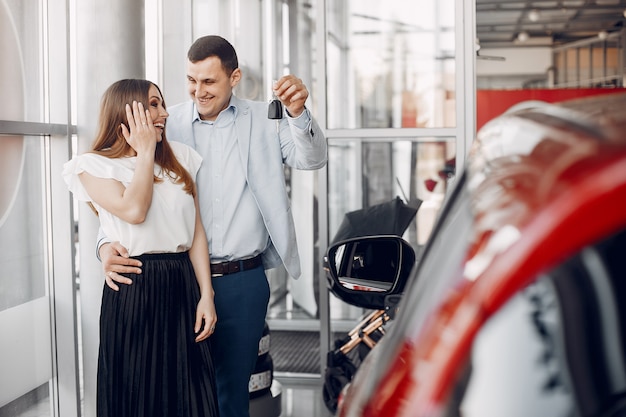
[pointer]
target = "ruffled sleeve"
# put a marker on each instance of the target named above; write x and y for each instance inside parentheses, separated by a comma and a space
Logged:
(98, 166)
(187, 156)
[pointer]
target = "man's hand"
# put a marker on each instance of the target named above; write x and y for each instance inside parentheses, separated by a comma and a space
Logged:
(115, 260)
(292, 93)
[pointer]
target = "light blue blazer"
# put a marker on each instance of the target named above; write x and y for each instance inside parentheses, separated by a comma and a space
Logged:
(264, 150)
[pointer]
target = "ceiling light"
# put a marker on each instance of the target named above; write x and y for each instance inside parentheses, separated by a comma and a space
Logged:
(523, 36)
(624, 13)
(603, 34)
(533, 15)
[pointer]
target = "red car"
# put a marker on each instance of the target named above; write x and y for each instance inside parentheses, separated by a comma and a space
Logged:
(517, 306)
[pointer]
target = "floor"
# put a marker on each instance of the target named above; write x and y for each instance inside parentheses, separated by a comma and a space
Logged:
(300, 394)
(302, 399)
(297, 399)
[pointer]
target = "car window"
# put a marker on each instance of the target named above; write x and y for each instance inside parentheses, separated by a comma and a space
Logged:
(439, 268)
(557, 348)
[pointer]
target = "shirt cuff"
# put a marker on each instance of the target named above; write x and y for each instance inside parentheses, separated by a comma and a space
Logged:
(302, 121)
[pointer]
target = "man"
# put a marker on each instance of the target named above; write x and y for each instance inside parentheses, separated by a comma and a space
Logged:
(243, 201)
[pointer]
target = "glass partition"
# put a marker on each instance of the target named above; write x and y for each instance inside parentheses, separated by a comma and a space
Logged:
(364, 172)
(390, 64)
(26, 345)
(38, 374)
(24, 299)
(21, 63)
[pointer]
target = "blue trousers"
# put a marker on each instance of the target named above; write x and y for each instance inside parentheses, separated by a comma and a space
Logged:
(241, 301)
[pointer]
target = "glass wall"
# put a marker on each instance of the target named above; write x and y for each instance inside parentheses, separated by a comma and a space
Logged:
(383, 78)
(33, 144)
(21, 64)
(24, 302)
(24, 295)
(390, 64)
(364, 172)
(393, 78)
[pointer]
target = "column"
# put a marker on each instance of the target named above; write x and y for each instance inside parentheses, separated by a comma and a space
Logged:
(109, 46)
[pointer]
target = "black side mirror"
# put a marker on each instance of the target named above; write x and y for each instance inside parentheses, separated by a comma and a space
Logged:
(364, 271)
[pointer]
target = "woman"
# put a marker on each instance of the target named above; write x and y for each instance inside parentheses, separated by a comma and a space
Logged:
(154, 359)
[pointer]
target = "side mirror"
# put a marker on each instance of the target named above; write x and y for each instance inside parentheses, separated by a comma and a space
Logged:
(363, 271)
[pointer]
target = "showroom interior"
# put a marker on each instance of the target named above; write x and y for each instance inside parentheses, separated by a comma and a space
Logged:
(399, 88)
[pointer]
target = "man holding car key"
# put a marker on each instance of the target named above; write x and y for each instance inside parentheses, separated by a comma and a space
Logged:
(243, 200)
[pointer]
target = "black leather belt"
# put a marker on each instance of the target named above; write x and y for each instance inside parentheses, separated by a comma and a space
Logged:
(225, 268)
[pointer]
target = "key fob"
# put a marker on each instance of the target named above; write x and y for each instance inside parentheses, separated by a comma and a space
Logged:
(275, 110)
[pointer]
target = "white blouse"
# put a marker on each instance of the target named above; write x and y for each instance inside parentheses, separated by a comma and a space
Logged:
(170, 221)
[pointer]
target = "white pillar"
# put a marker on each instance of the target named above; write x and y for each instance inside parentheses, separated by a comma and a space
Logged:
(109, 46)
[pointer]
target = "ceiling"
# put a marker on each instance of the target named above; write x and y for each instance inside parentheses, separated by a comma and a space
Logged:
(545, 23)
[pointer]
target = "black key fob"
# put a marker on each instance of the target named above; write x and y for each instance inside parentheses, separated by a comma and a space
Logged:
(275, 110)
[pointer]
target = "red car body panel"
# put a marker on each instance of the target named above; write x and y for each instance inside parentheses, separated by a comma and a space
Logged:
(531, 210)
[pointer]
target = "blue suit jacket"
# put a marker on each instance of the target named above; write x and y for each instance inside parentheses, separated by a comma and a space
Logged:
(264, 149)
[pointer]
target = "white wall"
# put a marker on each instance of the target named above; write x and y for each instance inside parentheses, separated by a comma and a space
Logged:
(519, 66)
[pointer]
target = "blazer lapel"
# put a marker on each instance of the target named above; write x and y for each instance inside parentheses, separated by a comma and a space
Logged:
(243, 125)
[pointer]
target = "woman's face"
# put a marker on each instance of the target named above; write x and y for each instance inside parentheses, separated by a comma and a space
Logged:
(157, 110)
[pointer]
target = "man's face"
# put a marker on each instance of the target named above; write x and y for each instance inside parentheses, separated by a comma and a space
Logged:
(210, 87)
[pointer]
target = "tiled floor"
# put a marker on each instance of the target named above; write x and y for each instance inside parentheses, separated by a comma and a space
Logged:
(301, 393)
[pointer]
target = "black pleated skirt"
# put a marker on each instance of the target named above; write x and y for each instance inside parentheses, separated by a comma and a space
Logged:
(149, 364)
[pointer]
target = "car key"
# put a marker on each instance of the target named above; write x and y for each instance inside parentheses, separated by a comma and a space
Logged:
(275, 110)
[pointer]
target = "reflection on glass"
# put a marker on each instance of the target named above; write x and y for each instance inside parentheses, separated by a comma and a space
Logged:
(390, 64)
(367, 265)
(21, 77)
(25, 320)
(21, 223)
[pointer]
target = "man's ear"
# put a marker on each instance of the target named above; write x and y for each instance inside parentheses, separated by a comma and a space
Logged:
(235, 77)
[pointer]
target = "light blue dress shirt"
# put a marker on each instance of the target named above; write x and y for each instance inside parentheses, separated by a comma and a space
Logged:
(233, 222)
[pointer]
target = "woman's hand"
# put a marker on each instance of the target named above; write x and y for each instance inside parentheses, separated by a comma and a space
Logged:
(206, 318)
(142, 136)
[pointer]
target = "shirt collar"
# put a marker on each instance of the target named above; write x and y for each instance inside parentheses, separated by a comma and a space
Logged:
(231, 109)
